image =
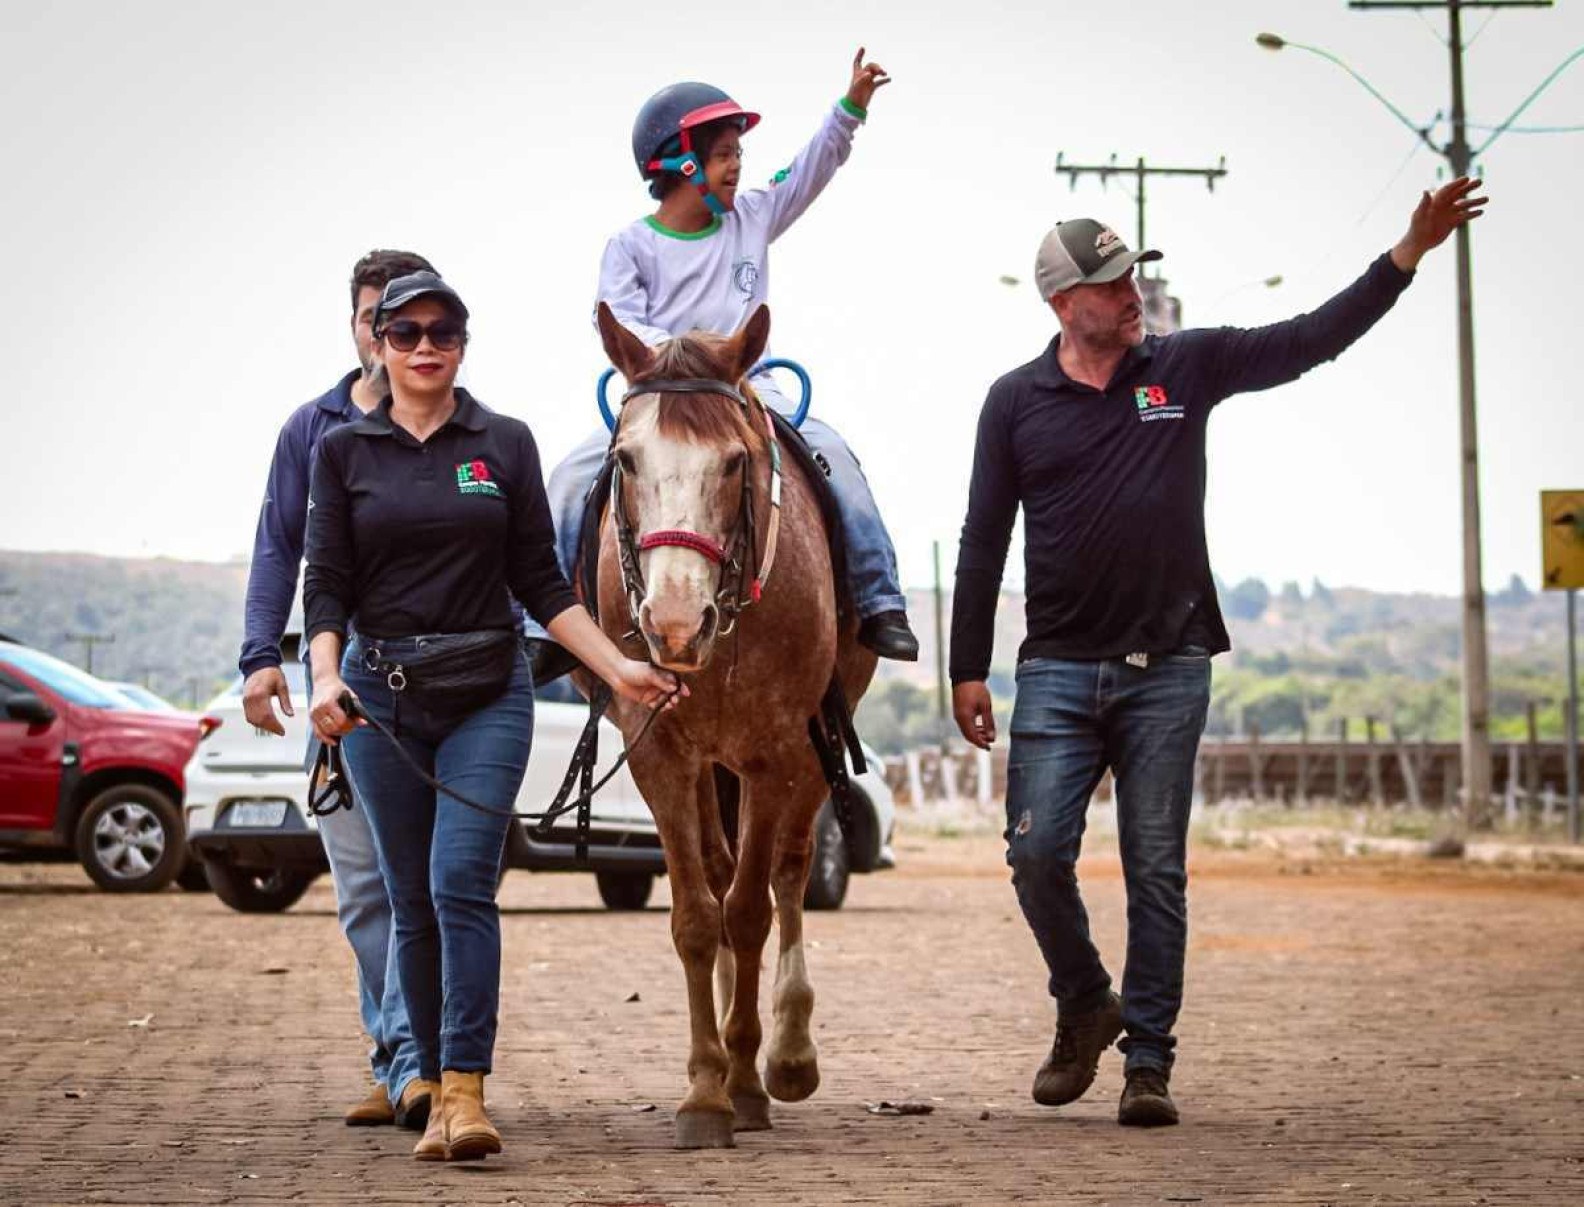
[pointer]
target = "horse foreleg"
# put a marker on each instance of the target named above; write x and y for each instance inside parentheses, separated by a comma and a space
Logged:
(748, 915)
(704, 1119)
(719, 865)
(792, 1063)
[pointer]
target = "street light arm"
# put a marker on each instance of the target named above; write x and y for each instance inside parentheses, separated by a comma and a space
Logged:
(1274, 42)
(1529, 100)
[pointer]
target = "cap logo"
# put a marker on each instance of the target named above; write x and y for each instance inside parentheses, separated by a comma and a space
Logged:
(1107, 242)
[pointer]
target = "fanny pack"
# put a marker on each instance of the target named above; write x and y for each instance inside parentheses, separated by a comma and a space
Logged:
(450, 675)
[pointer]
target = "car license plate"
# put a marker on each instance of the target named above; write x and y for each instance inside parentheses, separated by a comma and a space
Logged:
(256, 814)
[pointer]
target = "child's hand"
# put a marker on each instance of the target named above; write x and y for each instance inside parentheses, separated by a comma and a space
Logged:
(866, 77)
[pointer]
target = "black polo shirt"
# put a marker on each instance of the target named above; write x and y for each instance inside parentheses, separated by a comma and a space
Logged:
(408, 537)
(1112, 484)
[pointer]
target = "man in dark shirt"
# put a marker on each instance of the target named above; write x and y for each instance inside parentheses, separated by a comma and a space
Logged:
(1101, 441)
(361, 898)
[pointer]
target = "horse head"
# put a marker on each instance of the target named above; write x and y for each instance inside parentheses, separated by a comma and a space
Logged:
(691, 453)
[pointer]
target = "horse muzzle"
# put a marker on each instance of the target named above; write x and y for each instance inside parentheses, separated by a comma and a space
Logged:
(679, 638)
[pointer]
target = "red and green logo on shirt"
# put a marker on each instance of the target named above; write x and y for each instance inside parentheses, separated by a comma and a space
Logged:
(473, 478)
(1153, 404)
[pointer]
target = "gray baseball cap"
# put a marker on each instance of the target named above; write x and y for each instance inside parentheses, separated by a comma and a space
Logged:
(1082, 251)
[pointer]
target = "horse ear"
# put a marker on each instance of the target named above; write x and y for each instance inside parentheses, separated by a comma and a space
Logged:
(748, 345)
(627, 352)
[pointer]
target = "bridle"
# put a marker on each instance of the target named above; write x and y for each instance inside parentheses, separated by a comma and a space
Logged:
(736, 591)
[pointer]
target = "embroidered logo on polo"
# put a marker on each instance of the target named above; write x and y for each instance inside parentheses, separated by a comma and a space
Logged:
(745, 275)
(473, 478)
(1153, 404)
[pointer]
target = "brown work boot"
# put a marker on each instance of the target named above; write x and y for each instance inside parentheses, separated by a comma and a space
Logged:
(469, 1133)
(432, 1147)
(1069, 1070)
(412, 1110)
(373, 1111)
(1146, 1102)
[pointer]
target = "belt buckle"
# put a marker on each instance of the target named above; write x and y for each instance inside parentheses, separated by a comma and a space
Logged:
(1139, 660)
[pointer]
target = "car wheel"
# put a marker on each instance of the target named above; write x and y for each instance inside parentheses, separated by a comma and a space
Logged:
(129, 839)
(829, 868)
(624, 890)
(257, 890)
(192, 878)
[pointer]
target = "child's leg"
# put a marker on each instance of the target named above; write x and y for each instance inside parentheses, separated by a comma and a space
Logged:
(871, 559)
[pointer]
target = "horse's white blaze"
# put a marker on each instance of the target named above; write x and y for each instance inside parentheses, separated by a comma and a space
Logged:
(675, 489)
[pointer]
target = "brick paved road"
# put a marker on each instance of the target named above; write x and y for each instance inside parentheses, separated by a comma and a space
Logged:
(1353, 1035)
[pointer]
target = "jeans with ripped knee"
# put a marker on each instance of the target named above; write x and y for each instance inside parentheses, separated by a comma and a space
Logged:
(1072, 720)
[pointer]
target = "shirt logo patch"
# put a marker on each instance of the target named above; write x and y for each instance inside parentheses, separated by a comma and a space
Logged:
(1153, 404)
(745, 275)
(473, 478)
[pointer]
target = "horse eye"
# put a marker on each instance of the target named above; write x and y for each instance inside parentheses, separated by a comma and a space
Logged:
(734, 463)
(625, 461)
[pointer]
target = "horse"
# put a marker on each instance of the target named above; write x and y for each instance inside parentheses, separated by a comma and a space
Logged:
(700, 501)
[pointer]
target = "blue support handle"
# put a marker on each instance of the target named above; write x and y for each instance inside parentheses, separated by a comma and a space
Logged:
(777, 362)
(780, 362)
(604, 402)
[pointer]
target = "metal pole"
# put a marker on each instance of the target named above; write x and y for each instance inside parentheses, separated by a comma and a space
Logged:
(1476, 670)
(940, 647)
(1572, 719)
(1140, 244)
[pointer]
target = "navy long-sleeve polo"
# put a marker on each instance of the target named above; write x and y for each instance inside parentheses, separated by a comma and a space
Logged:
(1112, 484)
(408, 537)
(283, 521)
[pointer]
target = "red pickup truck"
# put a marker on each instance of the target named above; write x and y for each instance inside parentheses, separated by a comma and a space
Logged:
(83, 768)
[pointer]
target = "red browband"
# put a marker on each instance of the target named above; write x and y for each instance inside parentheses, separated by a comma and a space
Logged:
(681, 537)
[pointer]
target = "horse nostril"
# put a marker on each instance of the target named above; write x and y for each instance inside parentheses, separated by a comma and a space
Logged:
(707, 624)
(645, 620)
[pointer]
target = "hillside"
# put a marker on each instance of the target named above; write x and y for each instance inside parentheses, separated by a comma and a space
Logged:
(1324, 652)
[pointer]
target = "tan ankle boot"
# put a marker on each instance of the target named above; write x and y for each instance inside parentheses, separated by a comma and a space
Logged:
(469, 1133)
(433, 1145)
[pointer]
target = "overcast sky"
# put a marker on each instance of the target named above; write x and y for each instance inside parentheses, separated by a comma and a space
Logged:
(188, 185)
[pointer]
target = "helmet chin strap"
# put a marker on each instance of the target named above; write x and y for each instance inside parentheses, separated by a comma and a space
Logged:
(689, 166)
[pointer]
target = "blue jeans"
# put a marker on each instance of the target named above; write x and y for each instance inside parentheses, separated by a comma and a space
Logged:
(364, 911)
(1071, 721)
(442, 859)
(871, 559)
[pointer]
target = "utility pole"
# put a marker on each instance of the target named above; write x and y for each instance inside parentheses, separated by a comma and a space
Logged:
(940, 652)
(1476, 664)
(90, 640)
(1140, 171)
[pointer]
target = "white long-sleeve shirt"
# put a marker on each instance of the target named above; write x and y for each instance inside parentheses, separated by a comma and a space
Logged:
(662, 283)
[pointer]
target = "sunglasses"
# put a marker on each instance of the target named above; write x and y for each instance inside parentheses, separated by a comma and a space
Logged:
(445, 335)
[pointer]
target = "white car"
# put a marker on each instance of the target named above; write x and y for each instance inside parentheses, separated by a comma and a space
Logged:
(248, 820)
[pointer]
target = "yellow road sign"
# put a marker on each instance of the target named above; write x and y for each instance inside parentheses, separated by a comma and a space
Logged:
(1562, 539)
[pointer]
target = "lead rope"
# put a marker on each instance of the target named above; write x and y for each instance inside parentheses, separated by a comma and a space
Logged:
(581, 767)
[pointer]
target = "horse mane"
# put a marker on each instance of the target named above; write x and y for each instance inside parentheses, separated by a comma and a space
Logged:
(699, 418)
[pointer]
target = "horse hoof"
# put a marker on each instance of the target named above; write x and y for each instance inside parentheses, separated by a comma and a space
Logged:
(704, 1129)
(750, 1113)
(792, 1081)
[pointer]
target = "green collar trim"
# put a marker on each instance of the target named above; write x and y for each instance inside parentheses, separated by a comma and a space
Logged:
(660, 228)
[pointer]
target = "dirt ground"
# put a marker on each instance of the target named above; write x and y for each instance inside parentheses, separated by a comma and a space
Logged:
(1354, 1033)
